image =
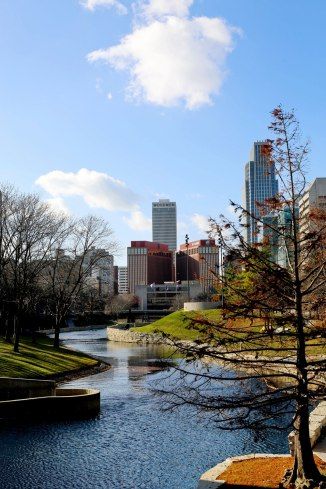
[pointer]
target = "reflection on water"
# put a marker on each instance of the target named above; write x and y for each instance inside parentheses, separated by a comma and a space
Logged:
(131, 444)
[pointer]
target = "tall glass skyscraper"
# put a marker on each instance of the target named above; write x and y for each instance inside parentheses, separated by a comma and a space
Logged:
(164, 223)
(260, 184)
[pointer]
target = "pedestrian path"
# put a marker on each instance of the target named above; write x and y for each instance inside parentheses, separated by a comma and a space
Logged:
(320, 449)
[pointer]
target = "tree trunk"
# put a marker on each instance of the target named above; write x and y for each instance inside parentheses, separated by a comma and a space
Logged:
(304, 460)
(305, 474)
(8, 330)
(17, 334)
(56, 341)
(58, 321)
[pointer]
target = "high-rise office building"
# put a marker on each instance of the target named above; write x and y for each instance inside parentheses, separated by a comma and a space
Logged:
(313, 198)
(101, 272)
(123, 280)
(278, 234)
(260, 184)
(148, 263)
(164, 223)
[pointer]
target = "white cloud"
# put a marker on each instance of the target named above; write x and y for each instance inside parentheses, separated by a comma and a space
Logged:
(172, 58)
(230, 209)
(99, 190)
(137, 221)
(201, 222)
(93, 4)
(162, 8)
(99, 85)
(57, 204)
(109, 96)
(195, 196)
(182, 226)
(160, 195)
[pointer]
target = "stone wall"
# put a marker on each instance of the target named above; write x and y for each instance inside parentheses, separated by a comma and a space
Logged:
(127, 336)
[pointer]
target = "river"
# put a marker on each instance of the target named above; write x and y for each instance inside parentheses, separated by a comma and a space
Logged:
(132, 444)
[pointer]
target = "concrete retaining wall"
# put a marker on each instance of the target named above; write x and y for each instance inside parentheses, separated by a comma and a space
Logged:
(210, 480)
(200, 306)
(23, 399)
(317, 425)
(65, 404)
(16, 388)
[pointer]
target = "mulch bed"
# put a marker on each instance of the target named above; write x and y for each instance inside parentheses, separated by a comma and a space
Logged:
(259, 473)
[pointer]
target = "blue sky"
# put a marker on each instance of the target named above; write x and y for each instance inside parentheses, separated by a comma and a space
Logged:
(154, 98)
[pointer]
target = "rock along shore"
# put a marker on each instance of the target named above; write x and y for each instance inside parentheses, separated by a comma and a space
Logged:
(127, 336)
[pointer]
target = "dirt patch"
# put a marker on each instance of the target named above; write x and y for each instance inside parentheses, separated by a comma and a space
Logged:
(259, 473)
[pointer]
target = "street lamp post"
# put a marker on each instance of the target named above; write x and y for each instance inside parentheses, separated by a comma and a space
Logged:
(187, 248)
(221, 272)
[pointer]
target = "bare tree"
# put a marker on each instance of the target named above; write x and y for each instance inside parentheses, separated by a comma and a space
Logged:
(46, 259)
(178, 302)
(83, 247)
(28, 232)
(266, 335)
(121, 303)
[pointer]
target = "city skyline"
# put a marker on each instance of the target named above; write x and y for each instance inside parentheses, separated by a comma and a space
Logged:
(92, 145)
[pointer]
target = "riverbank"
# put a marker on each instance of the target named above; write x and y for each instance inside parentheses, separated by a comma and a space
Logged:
(73, 329)
(193, 325)
(156, 334)
(39, 360)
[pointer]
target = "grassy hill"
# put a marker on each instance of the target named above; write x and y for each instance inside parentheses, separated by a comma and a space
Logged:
(40, 360)
(182, 326)
(178, 324)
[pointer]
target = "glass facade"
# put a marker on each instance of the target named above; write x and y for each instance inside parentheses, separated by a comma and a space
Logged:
(278, 233)
(260, 184)
(164, 223)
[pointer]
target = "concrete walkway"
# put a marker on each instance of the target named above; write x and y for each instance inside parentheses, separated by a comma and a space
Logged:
(320, 449)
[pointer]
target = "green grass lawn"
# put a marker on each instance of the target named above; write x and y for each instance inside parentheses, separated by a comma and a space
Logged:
(40, 360)
(182, 326)
(178, 324)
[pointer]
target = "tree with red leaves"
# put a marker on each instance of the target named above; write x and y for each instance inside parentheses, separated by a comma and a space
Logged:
(269, 333)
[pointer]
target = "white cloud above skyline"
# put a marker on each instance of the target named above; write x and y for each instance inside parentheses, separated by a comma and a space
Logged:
(98, 190)
(171, 58)
(201, 222)
(58, 205)
(162, 8)
(138, 221)
(91, 5)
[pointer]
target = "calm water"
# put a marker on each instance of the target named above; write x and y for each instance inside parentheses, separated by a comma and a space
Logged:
(132, 444)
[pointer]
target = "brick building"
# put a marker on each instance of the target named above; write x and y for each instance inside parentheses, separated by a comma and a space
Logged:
(203, 260)
(148, 263)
